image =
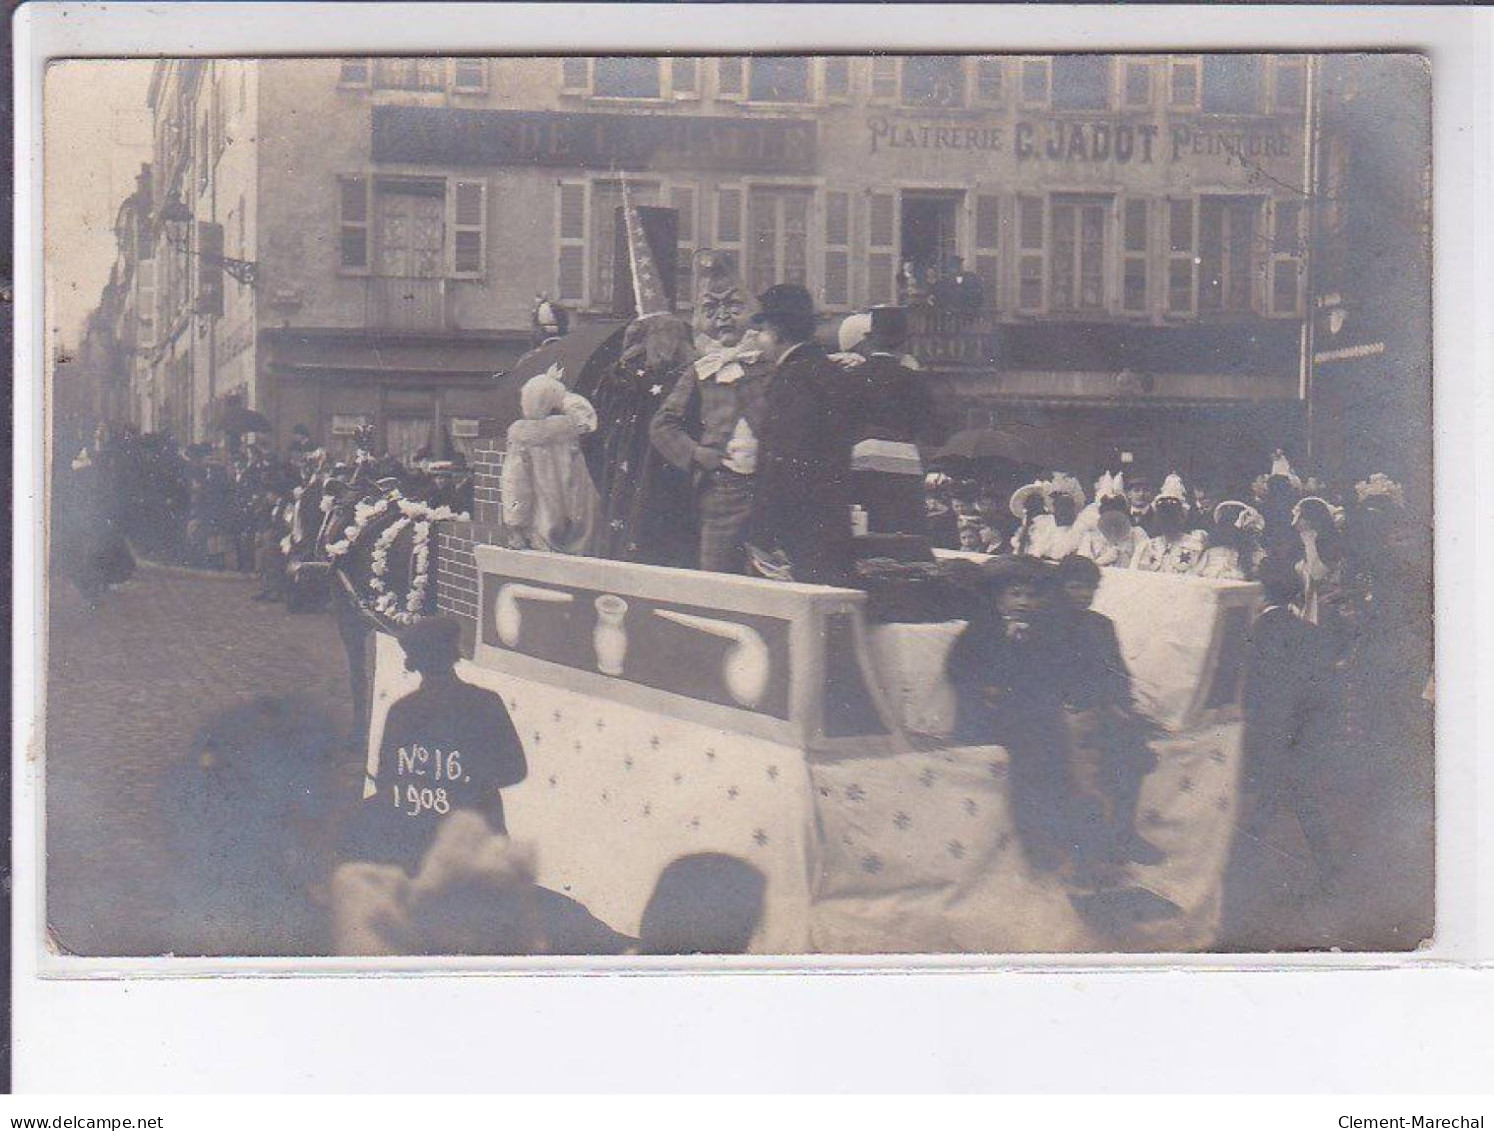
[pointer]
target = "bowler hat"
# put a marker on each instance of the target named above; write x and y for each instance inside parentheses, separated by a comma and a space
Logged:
(784, 303)
(889, 325)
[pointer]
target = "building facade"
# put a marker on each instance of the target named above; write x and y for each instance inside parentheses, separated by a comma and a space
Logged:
(1138, 226)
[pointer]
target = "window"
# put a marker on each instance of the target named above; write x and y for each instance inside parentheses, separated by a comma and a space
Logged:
(990, 78)
(1289, 90)
(881, 258)
(1183, 83)
(1134, 245)
(469, 75)
(468, 210)
(1036, 79)
(683, 78)
(883, 78)
(1077, 269)
(1226, 253)
(837, 249)
(987, 245)
(837, 78)
(1032, 265)
(570, 263)
(409, 237)
(682, 200)
(625, 77)
(353, 72)
(1288, 249)
(729, 77)
(575, 75)
(1081, 82)
(1138, 90)
(779, 78)
(778, 238)
(934, 80)
(1182, 265)
(1231, 84)
(606, 199)
(409, 74)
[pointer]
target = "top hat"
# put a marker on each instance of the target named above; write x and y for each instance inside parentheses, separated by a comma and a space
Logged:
(889, 325)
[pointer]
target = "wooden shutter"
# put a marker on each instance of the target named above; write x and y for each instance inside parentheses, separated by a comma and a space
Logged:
(881, 247)
(883, 78)
(729, 202)
(467, 205)
(354, 200)
(1182, 262)
(1184, 81)
(837, 228)
(682, 199)
(570, 241)
(1032, 254)
(987, 242)
(730, 77)
(1135, 263)
(1286, 265)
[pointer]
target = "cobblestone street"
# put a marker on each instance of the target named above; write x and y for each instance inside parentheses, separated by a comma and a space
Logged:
(130, 683)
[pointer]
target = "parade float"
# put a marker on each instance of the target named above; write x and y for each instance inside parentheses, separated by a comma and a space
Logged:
(807, 730)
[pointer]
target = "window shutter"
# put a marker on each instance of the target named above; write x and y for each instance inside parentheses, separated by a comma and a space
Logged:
(145, 301)
(729, 222)
(883, 79)
(575, 75)
(1289, 86)
(682, 200)
(1032, 254)
(837, 78)
(1135, 245)
(467, 205)
(837, 291)
(683, 80)
(1285, 282)
(989, 80)
(988, 247)
(353, 211)
(729, 76)
(1183, 82)
(1182, 265)
(570, 230)
(1035, 87)
(881, 248)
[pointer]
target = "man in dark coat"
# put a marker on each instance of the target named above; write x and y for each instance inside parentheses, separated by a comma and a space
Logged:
(802, 505)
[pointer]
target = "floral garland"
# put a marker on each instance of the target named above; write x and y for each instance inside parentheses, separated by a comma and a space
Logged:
(422, 516)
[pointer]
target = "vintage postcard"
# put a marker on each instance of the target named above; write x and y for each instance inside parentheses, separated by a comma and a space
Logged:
(771, 505)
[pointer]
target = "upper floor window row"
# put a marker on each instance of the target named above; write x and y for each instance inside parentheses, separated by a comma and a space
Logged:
(462, 76)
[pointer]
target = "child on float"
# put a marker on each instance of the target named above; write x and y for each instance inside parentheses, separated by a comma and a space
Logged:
(1113, 540)
(549, 499)
(1175, 545)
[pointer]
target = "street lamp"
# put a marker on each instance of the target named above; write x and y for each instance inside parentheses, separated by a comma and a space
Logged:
(177, 217)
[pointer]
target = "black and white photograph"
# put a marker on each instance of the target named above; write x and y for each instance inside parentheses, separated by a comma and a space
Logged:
(630, 507)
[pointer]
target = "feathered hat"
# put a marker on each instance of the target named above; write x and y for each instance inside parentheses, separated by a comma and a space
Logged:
(1109, 486)
(1062, 483)
(1172, 491)
(1247, 517)
(1318, 503)
(1020, 497)
(1378, 488)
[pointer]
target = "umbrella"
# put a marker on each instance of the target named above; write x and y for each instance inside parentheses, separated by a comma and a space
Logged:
(1013, 444)
(237, 420)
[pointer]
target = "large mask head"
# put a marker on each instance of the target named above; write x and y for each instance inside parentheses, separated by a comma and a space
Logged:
(722, 306)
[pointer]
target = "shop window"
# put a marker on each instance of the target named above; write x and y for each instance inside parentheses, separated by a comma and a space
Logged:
(1182, 82)
(625, 77)
(779, 78)
(1289, 90)
(990, 80)
(1138, 83)
(1182, 264)
(470, 76)
(1037, 75)
(1077, 265)
(1134, 247)
(1231, 84)
(777, 238)
(409, 74)
(1227, 230)
(1081, 82)
(934, 80)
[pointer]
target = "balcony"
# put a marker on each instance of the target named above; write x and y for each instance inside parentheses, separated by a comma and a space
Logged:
(401, 302)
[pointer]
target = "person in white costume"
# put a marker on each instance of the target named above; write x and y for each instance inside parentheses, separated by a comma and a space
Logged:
(1112, 539)
(1235, 553)
(1173, 547)
(1053, 534)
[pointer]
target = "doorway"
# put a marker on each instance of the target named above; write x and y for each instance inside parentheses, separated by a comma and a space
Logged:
(930, 238)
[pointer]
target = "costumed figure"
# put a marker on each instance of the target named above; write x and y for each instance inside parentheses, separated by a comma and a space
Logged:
(1234, 552)
(548, 497)
(709, 422)
(1113, 540)
(647, 512)
(548, 321)
(1321, 564)
(1276, 494)
(893, 408)
(1173, 547)
(1029, 505)
(800, 525)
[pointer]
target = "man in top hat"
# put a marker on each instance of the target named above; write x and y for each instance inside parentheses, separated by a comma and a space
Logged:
(802, 502)
(894, 408)
(709, 423)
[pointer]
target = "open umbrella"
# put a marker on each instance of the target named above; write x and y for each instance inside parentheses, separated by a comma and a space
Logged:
(1012, 444)
(237, 420)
